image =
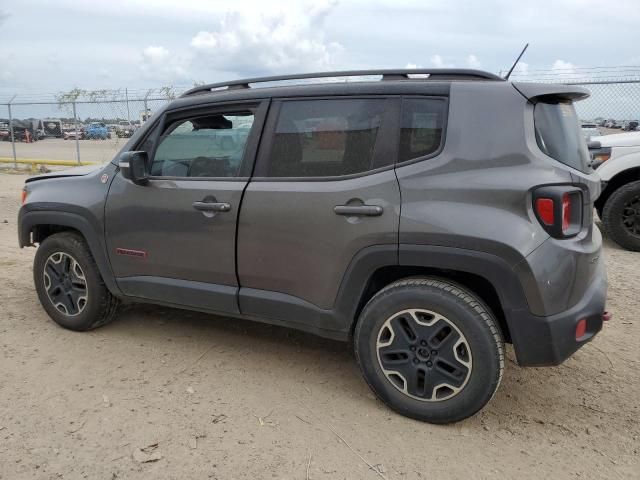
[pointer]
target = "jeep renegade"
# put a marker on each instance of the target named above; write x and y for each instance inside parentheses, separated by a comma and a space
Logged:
(427, 216)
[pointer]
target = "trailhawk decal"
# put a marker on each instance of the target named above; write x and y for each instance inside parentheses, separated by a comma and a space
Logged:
(131, 253)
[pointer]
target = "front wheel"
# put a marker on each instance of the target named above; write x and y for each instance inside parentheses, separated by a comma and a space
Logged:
(69, 284)
(621, 216)
(429, 349)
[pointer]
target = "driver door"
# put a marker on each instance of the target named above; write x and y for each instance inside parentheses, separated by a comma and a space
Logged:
(173, 240)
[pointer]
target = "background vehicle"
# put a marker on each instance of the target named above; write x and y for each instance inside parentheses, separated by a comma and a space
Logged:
(70, 134)
(616, 159)
(97, 131)
(5, 133)
(125, 129)
(359, 211)
(631, 126)
(52, 127)
(590, 130)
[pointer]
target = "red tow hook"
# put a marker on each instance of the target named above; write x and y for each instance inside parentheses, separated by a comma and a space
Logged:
(606, 316)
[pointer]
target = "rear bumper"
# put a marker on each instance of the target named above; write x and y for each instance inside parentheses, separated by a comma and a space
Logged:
(540, 341)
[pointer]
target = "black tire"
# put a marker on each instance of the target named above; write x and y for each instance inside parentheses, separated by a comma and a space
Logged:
(621, 216)
(96, 308)
(469, 321)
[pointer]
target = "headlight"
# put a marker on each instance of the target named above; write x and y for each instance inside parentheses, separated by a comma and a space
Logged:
(599, 156)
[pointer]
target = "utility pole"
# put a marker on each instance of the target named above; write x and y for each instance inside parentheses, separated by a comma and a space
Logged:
(13, 139)
(75, 125)
(126, 96)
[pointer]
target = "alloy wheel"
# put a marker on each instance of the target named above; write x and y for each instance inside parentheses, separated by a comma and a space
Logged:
(65, 284)
(424, 355)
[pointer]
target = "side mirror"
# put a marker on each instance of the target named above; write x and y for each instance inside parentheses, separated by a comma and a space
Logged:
(133, 166)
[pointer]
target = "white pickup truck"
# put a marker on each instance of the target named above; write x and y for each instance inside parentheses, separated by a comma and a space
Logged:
(616, 159)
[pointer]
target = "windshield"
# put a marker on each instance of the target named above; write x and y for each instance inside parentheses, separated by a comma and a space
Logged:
(558, 134)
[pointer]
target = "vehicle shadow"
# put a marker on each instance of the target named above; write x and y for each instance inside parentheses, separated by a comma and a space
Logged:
(527, 396)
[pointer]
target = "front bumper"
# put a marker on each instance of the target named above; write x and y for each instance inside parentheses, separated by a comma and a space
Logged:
(541, 341)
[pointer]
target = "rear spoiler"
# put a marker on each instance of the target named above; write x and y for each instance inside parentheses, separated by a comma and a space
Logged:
(544, 92)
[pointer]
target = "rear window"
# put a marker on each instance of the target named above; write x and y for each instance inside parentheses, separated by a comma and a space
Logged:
(558, 134)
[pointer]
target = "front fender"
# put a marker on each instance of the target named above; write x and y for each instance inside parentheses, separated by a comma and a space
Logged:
(35, 214)
(625, 158)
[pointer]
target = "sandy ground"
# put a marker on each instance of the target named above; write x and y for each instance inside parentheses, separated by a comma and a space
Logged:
(210, 397)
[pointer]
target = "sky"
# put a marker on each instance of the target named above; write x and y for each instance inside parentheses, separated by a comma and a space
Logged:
(47, 47)
(57, 45)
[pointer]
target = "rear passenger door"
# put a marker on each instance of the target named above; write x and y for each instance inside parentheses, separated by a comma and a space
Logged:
(323, 189)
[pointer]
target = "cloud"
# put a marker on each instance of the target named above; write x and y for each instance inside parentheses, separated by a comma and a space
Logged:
(438, 62)
(569, 72)
(256, 42)
(473, 62)
(160, 65)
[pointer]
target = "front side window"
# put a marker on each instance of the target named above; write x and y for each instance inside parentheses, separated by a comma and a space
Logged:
(204, 146)
(325, 138)
(420, 127)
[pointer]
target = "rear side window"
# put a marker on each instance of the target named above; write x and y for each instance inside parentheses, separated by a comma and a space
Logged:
(558, 134)
(421, 127)
(325, 138)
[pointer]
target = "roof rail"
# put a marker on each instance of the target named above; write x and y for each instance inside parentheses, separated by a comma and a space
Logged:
(399, 74)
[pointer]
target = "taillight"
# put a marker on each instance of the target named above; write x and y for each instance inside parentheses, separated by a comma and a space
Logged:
(558, 208)
(23, 196)
(544, 209)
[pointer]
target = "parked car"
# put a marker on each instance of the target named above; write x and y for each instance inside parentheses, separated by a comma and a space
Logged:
(616, 159)
(590, 130)
(630, 126)
(70, 134)
(125, 129)
(367, 212)
(5, 133)
(97, 131)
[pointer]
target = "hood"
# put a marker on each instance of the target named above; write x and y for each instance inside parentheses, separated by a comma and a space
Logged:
(630, 139)
(71, 172)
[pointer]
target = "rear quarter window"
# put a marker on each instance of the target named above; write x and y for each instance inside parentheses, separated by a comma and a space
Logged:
(558, 134)
(421, 127)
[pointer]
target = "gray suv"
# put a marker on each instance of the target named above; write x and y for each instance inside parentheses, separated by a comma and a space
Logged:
(427, 216)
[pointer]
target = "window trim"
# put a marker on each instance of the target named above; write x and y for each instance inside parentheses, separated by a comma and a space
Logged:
(386, 136)
(443, 138)
(258, 107)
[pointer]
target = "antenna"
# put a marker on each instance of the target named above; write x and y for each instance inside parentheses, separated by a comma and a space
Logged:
(516, 62)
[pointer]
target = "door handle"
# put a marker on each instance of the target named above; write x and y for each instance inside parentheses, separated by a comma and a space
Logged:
(358, 210)
(212, 206)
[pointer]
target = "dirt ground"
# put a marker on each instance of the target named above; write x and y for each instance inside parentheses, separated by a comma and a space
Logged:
(210, 397)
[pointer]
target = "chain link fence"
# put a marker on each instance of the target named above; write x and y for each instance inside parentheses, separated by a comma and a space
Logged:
(92, 126)
(615, 92)
(78, 126)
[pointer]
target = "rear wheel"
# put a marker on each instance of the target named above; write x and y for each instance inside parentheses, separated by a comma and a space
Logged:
(621, 216)
(429, 349)
(69, 284)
